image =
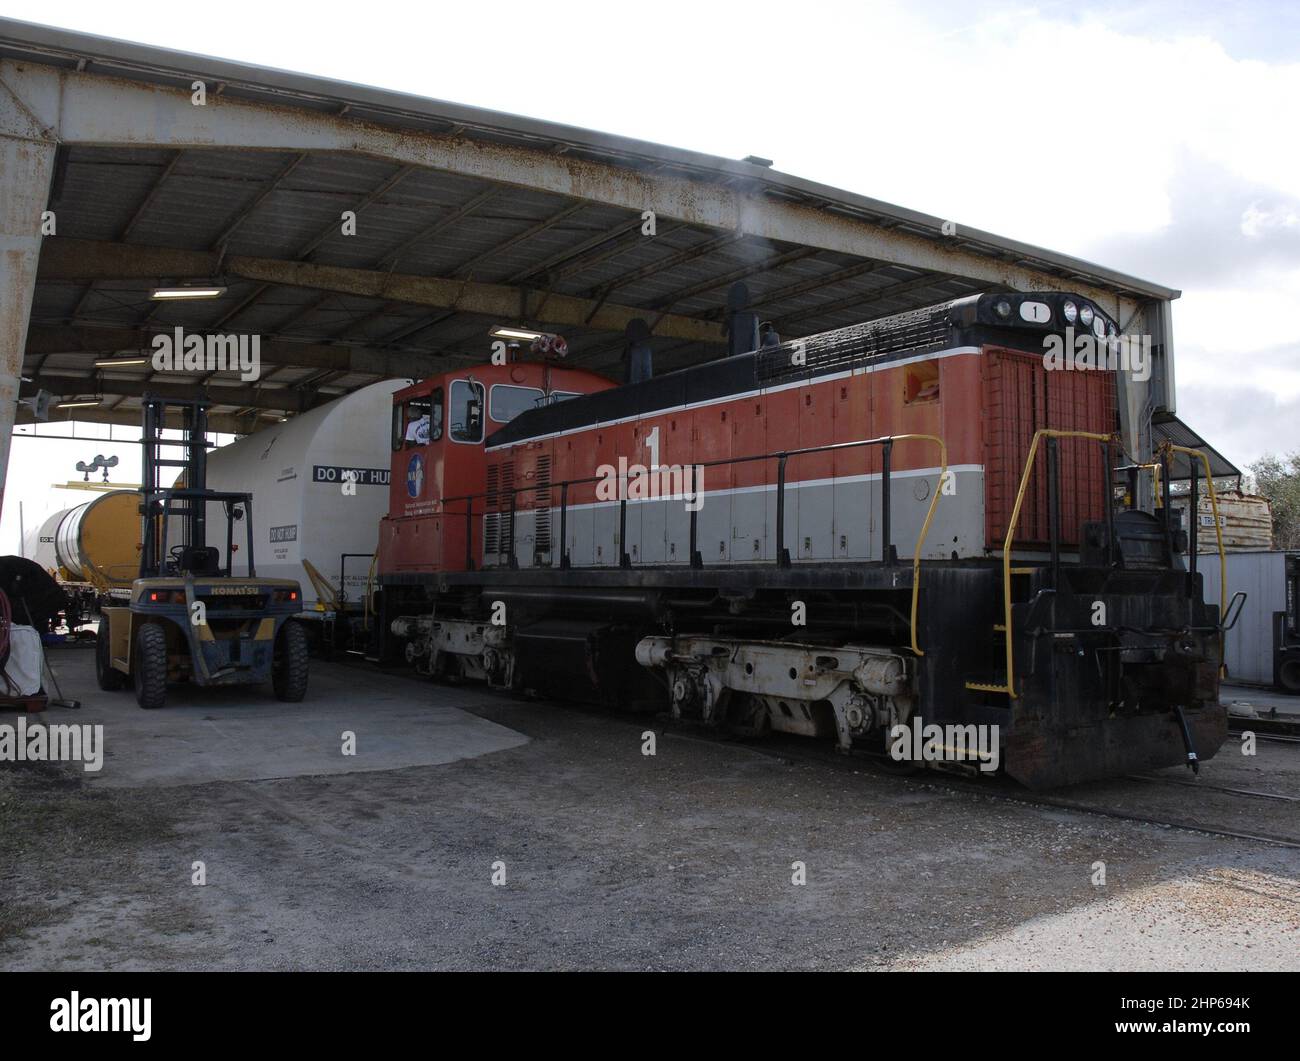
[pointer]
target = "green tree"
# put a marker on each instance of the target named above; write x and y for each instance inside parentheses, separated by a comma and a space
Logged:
(1278, 479)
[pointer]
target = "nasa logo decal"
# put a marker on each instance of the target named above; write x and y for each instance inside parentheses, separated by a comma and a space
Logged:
(415, 475)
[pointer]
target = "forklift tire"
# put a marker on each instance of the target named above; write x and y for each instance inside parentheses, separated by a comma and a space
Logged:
(109, 679)
(150, 666)
(289, 664)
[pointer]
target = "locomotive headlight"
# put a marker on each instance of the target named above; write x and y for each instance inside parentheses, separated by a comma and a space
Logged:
(1085, 316)
(1070, 310)
(1002, 308)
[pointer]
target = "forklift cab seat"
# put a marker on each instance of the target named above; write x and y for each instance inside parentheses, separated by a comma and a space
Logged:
(197, 560)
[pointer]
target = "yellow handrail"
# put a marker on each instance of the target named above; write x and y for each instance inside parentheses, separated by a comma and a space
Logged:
(925, 527)
(1154, 469)
(1039, 435)
(1218, 536)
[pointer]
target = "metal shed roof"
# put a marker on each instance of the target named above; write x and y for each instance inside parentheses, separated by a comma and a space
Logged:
(335, 312)
(1171, 429)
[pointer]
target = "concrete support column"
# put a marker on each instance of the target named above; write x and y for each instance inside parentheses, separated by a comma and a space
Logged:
(25, 169)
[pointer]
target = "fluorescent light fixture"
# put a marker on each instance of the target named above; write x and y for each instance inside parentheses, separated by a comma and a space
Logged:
(514, 333)
(78, 403)
(176, 293)
(119, 362)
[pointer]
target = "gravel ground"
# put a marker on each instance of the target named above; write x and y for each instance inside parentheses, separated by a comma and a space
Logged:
(617, 860)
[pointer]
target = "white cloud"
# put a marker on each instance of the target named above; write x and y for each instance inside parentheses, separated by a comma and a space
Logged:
(1257, 220)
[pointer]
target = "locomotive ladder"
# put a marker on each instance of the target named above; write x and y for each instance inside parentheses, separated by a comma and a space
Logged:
(1005, 628)
(1007, 687)
(1193, 528)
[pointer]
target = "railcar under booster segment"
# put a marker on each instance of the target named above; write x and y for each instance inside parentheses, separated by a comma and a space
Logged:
(320, 486)
(911, 521)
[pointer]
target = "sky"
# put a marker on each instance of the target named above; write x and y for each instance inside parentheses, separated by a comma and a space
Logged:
(1158, 139)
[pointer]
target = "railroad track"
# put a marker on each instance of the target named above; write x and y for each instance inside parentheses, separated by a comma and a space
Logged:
(998, 790)
(779, 748)
(1214, 788)
(1279, 728)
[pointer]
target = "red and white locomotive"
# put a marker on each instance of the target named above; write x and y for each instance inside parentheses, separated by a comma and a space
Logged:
(909, 519)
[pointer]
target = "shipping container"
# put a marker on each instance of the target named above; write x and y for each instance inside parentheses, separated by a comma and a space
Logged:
(1246, 521)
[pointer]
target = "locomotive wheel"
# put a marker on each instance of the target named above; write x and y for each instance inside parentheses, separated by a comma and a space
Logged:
(108, 679)
(747, 718)
(898, 767)
(289, 665)
(150, 666)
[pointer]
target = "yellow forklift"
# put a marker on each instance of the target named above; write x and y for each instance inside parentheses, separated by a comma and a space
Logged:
(190, 618)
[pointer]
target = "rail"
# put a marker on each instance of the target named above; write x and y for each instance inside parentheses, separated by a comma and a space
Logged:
(782, 559)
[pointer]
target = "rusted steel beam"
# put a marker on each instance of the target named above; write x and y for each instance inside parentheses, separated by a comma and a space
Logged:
(43, 340)
(287, 398)
(67, 259)
(222, 423)
(305, 251)
(462, 269)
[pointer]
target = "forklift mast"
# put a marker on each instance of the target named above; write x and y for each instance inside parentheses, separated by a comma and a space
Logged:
(160, 500)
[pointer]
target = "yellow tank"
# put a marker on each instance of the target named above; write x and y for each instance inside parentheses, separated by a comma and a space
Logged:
(99, 542)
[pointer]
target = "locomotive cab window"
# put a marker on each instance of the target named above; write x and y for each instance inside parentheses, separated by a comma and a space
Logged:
(508, 402)
(418, 422)
(466, 411)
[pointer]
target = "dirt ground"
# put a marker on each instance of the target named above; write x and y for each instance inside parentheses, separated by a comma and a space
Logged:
(612, 859)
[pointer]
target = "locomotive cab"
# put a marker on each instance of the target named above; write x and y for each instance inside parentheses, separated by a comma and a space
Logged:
(438, 471)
